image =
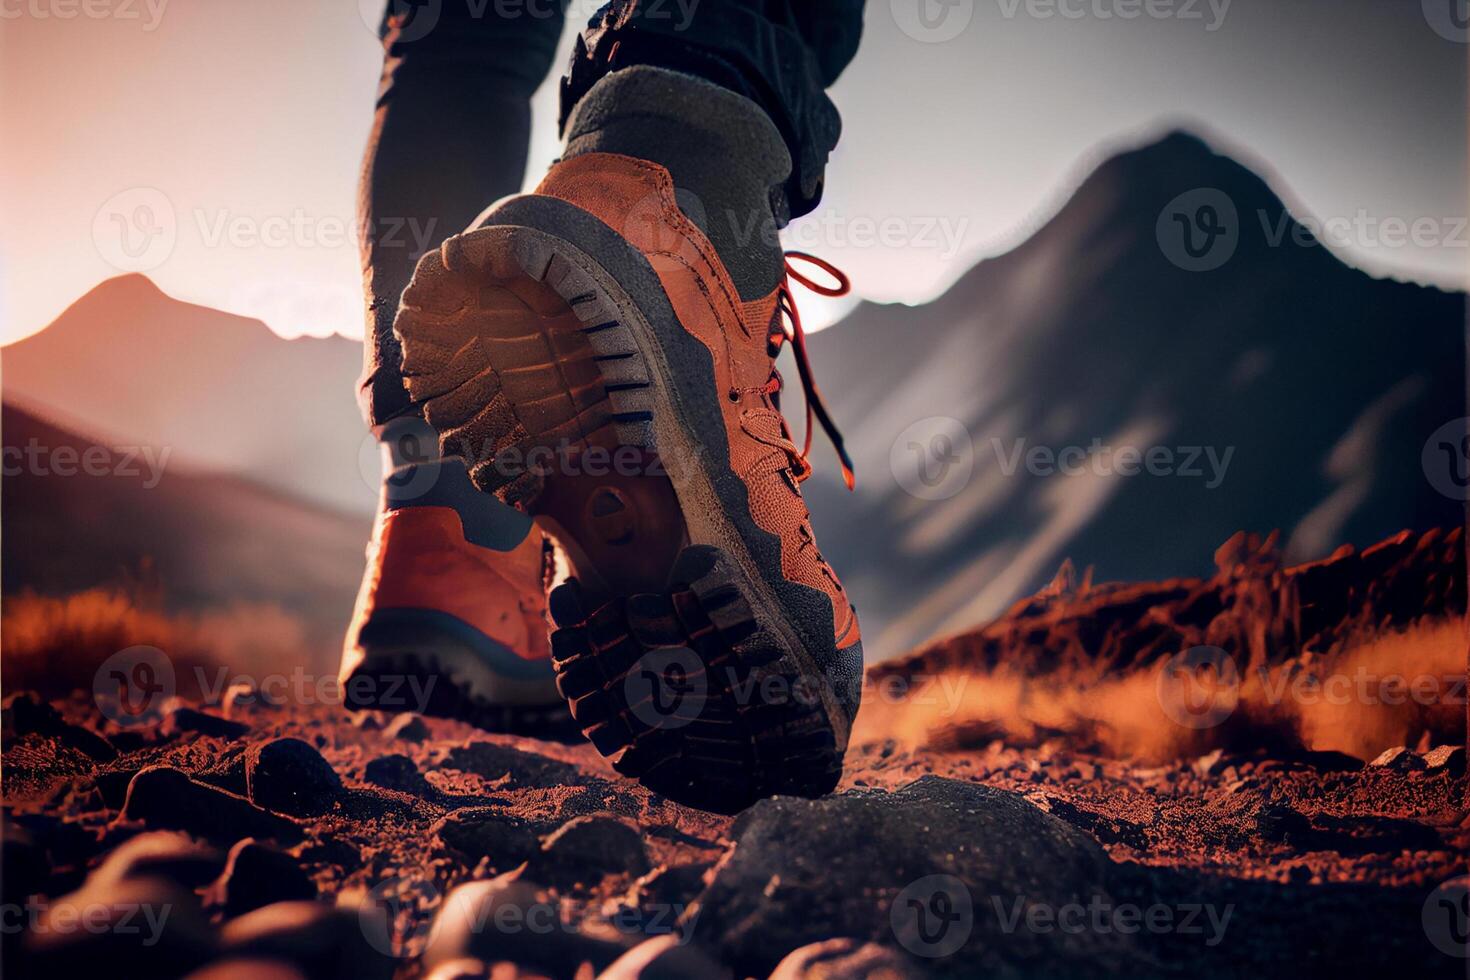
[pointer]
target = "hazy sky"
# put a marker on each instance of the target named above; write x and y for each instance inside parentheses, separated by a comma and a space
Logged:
(215, 144)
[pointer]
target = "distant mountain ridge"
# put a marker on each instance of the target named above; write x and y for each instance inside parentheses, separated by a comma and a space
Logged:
(127, 361)
(1321, 382)
(1299, 389)
(209, 541)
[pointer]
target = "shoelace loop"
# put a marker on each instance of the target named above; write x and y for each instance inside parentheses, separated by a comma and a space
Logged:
(791, 330)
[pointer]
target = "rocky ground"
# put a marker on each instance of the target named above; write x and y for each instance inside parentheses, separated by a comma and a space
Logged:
(253, 838)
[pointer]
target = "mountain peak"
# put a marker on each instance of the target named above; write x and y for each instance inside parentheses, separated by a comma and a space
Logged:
(1182, 161)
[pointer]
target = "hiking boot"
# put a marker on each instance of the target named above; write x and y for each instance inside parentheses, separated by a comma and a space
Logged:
(586, 352)
(451, 617)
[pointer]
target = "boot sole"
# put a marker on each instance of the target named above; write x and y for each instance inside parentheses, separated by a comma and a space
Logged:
(515, 340)
(411, 660)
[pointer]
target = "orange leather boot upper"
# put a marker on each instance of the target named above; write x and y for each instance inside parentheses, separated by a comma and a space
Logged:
(419, 559)
(636, 198)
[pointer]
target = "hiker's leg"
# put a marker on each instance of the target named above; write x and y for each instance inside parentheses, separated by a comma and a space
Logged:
(595, 324)
(780, 54)
(449, 136)
(453, 592)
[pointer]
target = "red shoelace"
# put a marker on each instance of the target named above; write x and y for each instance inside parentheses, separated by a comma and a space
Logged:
(792, 331)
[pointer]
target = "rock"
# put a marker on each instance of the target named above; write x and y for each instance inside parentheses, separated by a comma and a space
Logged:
(368, 721)
(1447, 757)
(396, 772)
(1398, 759)
(321, 940)
(24, 866)
(585, 848)
(332, 851)
(506, 919)
(494, 762)
(484, 832)
(255, 876)
(24, 713)
(664, 958)
(139, 927)
(468, 969)
(289, 776)
(1210, 764)
(669, 886)
(242, 698)
(408, 726)
(166, 798)
(844, 959)
(183, 721)
(242, 968)
(161, 854)
(1249, 815)
(919, 867)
